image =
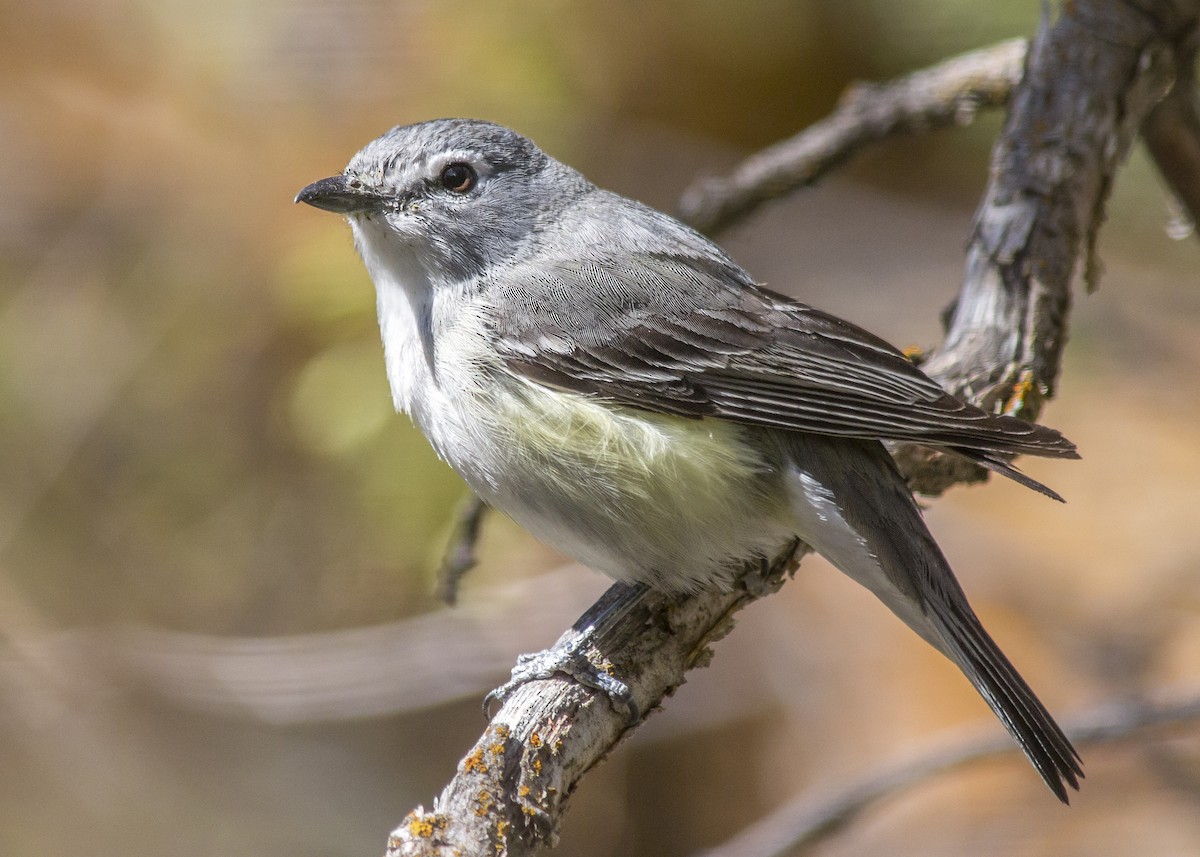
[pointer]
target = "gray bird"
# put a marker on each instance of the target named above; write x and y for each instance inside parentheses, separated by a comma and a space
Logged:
(620, 387)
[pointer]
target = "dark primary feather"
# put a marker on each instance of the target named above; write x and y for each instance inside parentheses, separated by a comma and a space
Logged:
(693, 336)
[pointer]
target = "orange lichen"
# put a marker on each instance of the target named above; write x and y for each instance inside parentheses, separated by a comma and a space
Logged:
(1021, 391)
(535, 740)
(484, 801)
(424, 826)
(474, 762)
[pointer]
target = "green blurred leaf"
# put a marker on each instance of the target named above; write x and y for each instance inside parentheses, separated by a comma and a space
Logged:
(340, 400)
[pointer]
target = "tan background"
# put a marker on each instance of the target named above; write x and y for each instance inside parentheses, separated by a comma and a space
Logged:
(196, 437)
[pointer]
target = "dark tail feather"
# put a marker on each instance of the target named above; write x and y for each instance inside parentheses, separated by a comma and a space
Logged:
(905, 568)
(1002, 687)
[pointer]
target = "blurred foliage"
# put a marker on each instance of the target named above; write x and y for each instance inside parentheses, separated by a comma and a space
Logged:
(197, 431)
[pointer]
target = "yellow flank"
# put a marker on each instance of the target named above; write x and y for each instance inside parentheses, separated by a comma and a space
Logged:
(636, 453)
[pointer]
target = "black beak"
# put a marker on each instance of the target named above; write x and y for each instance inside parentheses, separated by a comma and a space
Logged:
(339, 194)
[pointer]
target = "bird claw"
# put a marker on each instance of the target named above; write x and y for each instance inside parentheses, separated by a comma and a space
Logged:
(572, 660)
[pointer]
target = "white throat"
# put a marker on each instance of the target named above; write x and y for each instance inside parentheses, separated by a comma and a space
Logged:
(405, 302)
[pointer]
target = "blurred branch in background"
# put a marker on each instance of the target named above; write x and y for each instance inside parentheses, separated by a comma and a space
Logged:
(395, 668)
(950, 93)
(56, 693)
(805, 821)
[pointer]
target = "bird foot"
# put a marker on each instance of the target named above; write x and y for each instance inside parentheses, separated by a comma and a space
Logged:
(573, 659)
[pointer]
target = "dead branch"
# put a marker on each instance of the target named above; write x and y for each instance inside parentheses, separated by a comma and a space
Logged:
(460, 551)
(511, 790)
(1092, 78)
(950, 93)
(1172, 130)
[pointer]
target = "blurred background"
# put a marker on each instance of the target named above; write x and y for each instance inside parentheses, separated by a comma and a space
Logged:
(218, 543)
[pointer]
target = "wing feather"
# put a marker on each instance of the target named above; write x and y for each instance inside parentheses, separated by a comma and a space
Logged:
(695, 337)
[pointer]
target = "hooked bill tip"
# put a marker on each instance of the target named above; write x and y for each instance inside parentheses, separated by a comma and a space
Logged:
(339, 195)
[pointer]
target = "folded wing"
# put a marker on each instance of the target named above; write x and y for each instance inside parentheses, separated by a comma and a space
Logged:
(693, 336)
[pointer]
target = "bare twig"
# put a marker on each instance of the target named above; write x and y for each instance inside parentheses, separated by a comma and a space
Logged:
(803, 823)
(1172, 131)
(460, 550)
(950, 93)
(1093, 77)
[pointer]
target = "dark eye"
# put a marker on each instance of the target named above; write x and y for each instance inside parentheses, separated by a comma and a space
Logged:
(458, 177)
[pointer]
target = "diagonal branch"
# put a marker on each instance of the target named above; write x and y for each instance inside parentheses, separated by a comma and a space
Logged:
(950, 93)
(1093, 77)
(511, 789)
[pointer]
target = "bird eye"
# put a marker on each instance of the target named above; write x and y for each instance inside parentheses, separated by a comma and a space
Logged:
(458, 177)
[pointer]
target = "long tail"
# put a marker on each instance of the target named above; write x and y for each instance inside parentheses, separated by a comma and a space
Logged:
(853, 507)
(967, 644)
